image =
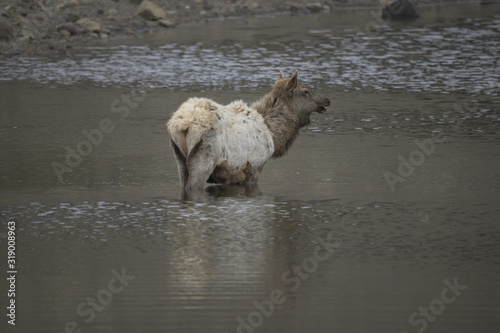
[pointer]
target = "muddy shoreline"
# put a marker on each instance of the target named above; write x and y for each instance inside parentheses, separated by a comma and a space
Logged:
(57, 26)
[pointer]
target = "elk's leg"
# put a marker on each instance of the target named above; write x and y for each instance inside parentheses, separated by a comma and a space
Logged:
(200, 165)
(252, 174)
(181, 165)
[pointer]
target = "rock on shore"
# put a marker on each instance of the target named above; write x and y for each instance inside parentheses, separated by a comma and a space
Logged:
(399, 9)
(150, 11)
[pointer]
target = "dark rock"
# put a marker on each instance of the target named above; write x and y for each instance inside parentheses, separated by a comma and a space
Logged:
(6, 31)
(294, 7)
(69, 27)
(399, 10)
(72, 17)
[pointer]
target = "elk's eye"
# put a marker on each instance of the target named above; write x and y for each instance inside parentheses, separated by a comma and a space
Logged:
(306, 92)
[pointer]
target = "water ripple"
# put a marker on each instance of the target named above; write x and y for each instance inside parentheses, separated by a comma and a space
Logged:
(439, 59)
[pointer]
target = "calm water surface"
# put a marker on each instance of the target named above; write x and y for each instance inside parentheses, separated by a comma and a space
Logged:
(210, 266)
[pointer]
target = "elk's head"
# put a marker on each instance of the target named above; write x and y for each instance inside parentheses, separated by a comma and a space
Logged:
(298, 98)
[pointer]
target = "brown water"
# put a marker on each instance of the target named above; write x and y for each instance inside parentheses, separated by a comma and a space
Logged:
(206, 266)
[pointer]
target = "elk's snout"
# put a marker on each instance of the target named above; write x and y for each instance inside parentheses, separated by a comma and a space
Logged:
(322, 108)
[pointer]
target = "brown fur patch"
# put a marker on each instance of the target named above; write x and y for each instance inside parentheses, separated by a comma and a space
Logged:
(283, 112)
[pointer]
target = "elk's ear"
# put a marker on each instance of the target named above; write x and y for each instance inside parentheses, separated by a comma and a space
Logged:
(281, 76)
(293, 82)
(275, 102)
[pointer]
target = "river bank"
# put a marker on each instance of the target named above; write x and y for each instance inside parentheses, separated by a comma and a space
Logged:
(33, 27)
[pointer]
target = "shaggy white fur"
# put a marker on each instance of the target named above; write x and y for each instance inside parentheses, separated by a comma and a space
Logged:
(231, 139)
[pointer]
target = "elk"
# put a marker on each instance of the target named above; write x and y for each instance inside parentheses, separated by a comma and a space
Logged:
(229, 144)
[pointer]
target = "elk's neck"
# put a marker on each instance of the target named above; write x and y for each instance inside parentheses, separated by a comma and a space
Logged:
(282, 123)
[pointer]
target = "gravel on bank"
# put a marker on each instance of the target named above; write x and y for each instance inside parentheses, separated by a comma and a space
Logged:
(30, 27)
